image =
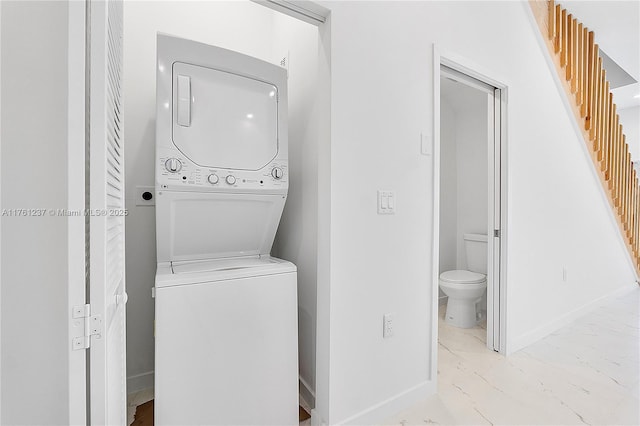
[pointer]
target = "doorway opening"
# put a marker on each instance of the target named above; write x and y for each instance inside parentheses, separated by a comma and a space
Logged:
(470, 194)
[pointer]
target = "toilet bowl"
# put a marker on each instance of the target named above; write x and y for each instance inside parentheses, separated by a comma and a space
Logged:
(465, 289)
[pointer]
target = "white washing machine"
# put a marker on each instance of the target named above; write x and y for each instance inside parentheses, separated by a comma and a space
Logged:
(226, 311)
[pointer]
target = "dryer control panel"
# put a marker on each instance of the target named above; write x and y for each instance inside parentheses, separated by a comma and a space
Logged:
(175, 172)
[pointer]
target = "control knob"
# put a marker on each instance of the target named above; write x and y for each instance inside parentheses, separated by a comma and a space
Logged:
(231, 180)
(277, 173)
(213, 179)
(173, 165)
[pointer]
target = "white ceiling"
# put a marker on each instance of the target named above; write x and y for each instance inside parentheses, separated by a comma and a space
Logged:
(616, 25)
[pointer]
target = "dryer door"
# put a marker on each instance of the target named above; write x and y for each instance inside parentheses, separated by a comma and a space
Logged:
(196, 225)
(222, 119)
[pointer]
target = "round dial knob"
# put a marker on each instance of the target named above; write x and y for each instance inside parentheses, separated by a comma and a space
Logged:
(231, 180)
(213, 179)
(173, 165)
(277, 173)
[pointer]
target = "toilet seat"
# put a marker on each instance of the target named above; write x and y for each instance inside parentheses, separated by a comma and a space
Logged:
(460, 276)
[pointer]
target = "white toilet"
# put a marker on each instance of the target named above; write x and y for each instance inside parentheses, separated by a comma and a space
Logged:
(465, 288)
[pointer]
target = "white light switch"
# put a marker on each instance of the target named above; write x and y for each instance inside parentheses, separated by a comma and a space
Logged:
(386, 202)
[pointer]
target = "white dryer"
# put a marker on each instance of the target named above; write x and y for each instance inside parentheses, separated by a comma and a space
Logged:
(226, 311)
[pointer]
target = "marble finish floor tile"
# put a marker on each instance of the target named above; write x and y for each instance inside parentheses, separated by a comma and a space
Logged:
(585, 373)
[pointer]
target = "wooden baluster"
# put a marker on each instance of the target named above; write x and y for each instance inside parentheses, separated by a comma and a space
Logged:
(606, 142)
(563, 46)
(591, 74)
(610, 129)
(628, 194)
(636, 208)
(602, 122)
(597, 108)
(580, 65)
(612, 163)
(557, 45)
(632, 211)
(632, 197)
(575, 49)
(625, 198)
(552, 21)
(637, 211)
(619, 168)
(617, 160)
(595, 98)
(601, 111)
(625, 184)
(582, 69)
(568, 72)
(617, 165)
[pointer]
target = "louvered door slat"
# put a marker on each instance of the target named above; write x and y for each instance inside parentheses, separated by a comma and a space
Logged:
(107, 278)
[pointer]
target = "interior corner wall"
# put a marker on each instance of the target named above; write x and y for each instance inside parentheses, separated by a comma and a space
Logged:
(297, 236)
(35, 315)
(381, 101)
(630, 120)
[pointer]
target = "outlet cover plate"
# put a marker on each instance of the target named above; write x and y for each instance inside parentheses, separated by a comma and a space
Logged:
(140, 201)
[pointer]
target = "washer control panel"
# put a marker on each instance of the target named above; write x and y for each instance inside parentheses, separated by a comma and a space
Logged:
(175, 172)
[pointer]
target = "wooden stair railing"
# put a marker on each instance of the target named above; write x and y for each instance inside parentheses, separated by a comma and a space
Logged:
(579, 64)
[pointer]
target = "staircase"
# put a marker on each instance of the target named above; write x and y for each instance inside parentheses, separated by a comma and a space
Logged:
(576, 56)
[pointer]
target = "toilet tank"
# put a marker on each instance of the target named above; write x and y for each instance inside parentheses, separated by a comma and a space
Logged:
(475, 246)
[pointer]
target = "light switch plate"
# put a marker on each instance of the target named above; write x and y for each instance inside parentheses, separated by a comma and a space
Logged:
(386, 202)
(142, 192)
(425, 144)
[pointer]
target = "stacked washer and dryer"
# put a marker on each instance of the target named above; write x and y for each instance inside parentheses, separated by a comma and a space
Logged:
(225, 310)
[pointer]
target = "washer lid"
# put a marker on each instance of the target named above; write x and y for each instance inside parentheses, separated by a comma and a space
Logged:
(462, 277)
(170, 274)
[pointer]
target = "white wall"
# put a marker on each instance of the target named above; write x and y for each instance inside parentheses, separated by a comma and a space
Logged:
(382, 97)
(448, 189)
(630, 120)
(472, 169)
(254, 30)
(463, 170)
(35, 343)
(297, 236)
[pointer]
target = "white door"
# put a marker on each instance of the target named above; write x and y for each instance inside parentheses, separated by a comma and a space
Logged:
(107, 296)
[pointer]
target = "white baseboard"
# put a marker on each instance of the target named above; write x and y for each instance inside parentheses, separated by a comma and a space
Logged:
(392, 406)
(521, 342)
(139, 382)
